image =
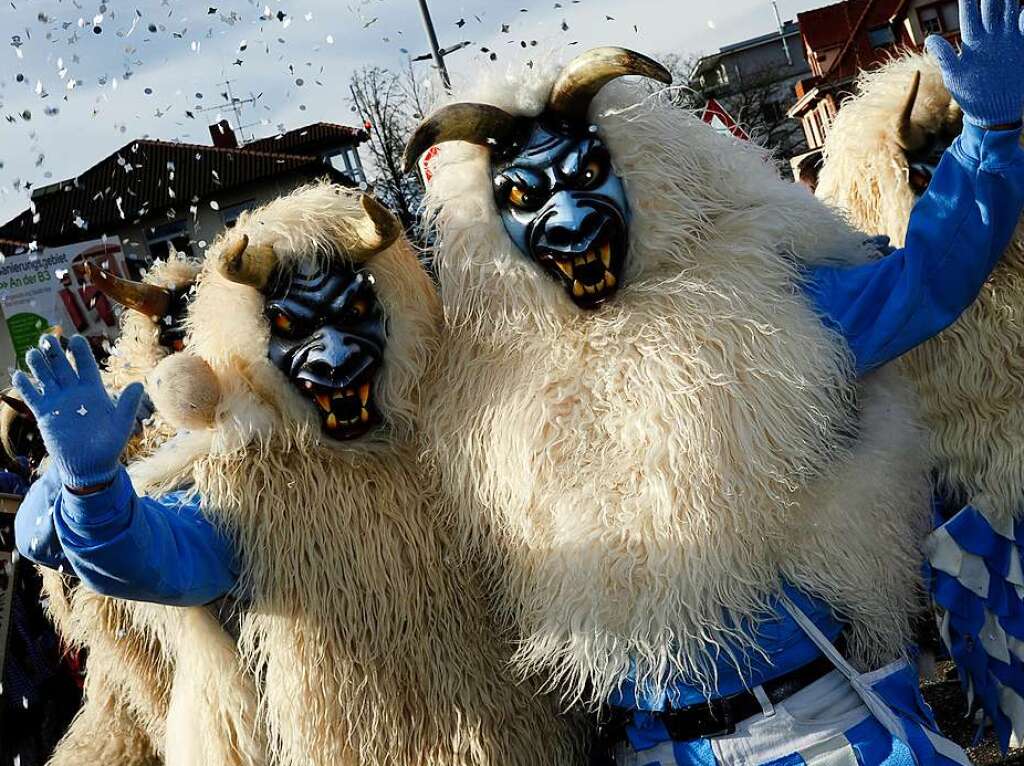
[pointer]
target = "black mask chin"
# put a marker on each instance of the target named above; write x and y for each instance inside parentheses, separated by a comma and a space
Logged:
(172, 324)
(922, 161)
(328, 337)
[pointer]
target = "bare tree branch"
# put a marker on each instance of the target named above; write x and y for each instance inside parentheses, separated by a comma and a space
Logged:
(389, 113)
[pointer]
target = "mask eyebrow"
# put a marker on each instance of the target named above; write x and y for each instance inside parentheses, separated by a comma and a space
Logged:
(305, 298)
(357, 288)
(570, 165)
(293, 308)
(521, 176)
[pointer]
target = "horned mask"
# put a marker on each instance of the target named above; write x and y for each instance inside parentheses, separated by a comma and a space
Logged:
(326, 326)
(559, 199)
(923, 149)
(166, 307)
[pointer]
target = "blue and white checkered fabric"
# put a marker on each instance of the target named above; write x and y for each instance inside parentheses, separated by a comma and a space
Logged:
(825, 724)
(975, 570)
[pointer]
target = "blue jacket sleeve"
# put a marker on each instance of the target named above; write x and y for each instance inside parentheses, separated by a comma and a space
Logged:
(34, 531)
(141, 548)
(956, 235)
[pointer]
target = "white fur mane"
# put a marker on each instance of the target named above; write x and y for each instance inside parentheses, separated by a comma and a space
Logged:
(645, 475)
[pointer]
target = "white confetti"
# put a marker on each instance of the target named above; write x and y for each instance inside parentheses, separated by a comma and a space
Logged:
(330, 39)
(82, 411)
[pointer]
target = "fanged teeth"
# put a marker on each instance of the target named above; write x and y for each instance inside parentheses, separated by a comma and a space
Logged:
(605, 252)
(333, 422)
(581, 260)
(324, 401)
(565, 267)
(609, 281)
(364, 394)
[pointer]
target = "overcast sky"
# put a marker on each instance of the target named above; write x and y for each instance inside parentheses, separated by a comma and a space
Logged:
(80, 78)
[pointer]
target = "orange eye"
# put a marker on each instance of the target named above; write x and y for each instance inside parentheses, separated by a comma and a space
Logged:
(518, 197)
(359, 308)
(591, 174)
(282, 322)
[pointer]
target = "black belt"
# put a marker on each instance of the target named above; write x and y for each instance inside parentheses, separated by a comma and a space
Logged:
(718, 716)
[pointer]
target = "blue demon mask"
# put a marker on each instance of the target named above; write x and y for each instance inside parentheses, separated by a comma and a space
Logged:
(566, 210)
(327, 328)
(560, 201)
(167, 307)
(327, 337)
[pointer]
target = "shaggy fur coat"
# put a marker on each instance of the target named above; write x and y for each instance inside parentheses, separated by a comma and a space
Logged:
(970, 377)
(644, 476)
(363, 635)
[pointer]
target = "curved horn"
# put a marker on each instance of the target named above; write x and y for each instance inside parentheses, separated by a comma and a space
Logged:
(17, 405)
(581, 79)
(247, 265)
(480, 124)
(147, 299)
(376, 231)
(908, 135)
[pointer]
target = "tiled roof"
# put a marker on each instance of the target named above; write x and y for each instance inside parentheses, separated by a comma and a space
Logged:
(312, 139)
(142, 178)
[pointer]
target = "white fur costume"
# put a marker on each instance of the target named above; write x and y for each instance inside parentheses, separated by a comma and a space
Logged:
(123, 716)
(363, 633)
(643, 476)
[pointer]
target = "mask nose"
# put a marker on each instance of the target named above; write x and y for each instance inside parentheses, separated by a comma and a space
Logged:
(335, 359)
(569, 224)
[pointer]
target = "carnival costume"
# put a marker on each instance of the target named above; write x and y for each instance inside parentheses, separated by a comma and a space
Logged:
(362, 634)
(123, 715)
(879, 158)
(661, 417)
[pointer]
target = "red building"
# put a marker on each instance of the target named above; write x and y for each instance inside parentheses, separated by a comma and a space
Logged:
(843, 39)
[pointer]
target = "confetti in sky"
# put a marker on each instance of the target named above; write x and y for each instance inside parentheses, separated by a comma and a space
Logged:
(79, 80)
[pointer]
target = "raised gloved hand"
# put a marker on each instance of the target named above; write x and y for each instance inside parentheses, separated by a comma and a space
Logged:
(83, 428)
(987, 78)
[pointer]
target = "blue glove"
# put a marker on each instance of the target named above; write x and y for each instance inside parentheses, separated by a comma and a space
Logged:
(987, 78)
(83, 428)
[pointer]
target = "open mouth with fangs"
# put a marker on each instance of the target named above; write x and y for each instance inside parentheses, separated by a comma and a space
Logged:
(592, 276)
(345, 413)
